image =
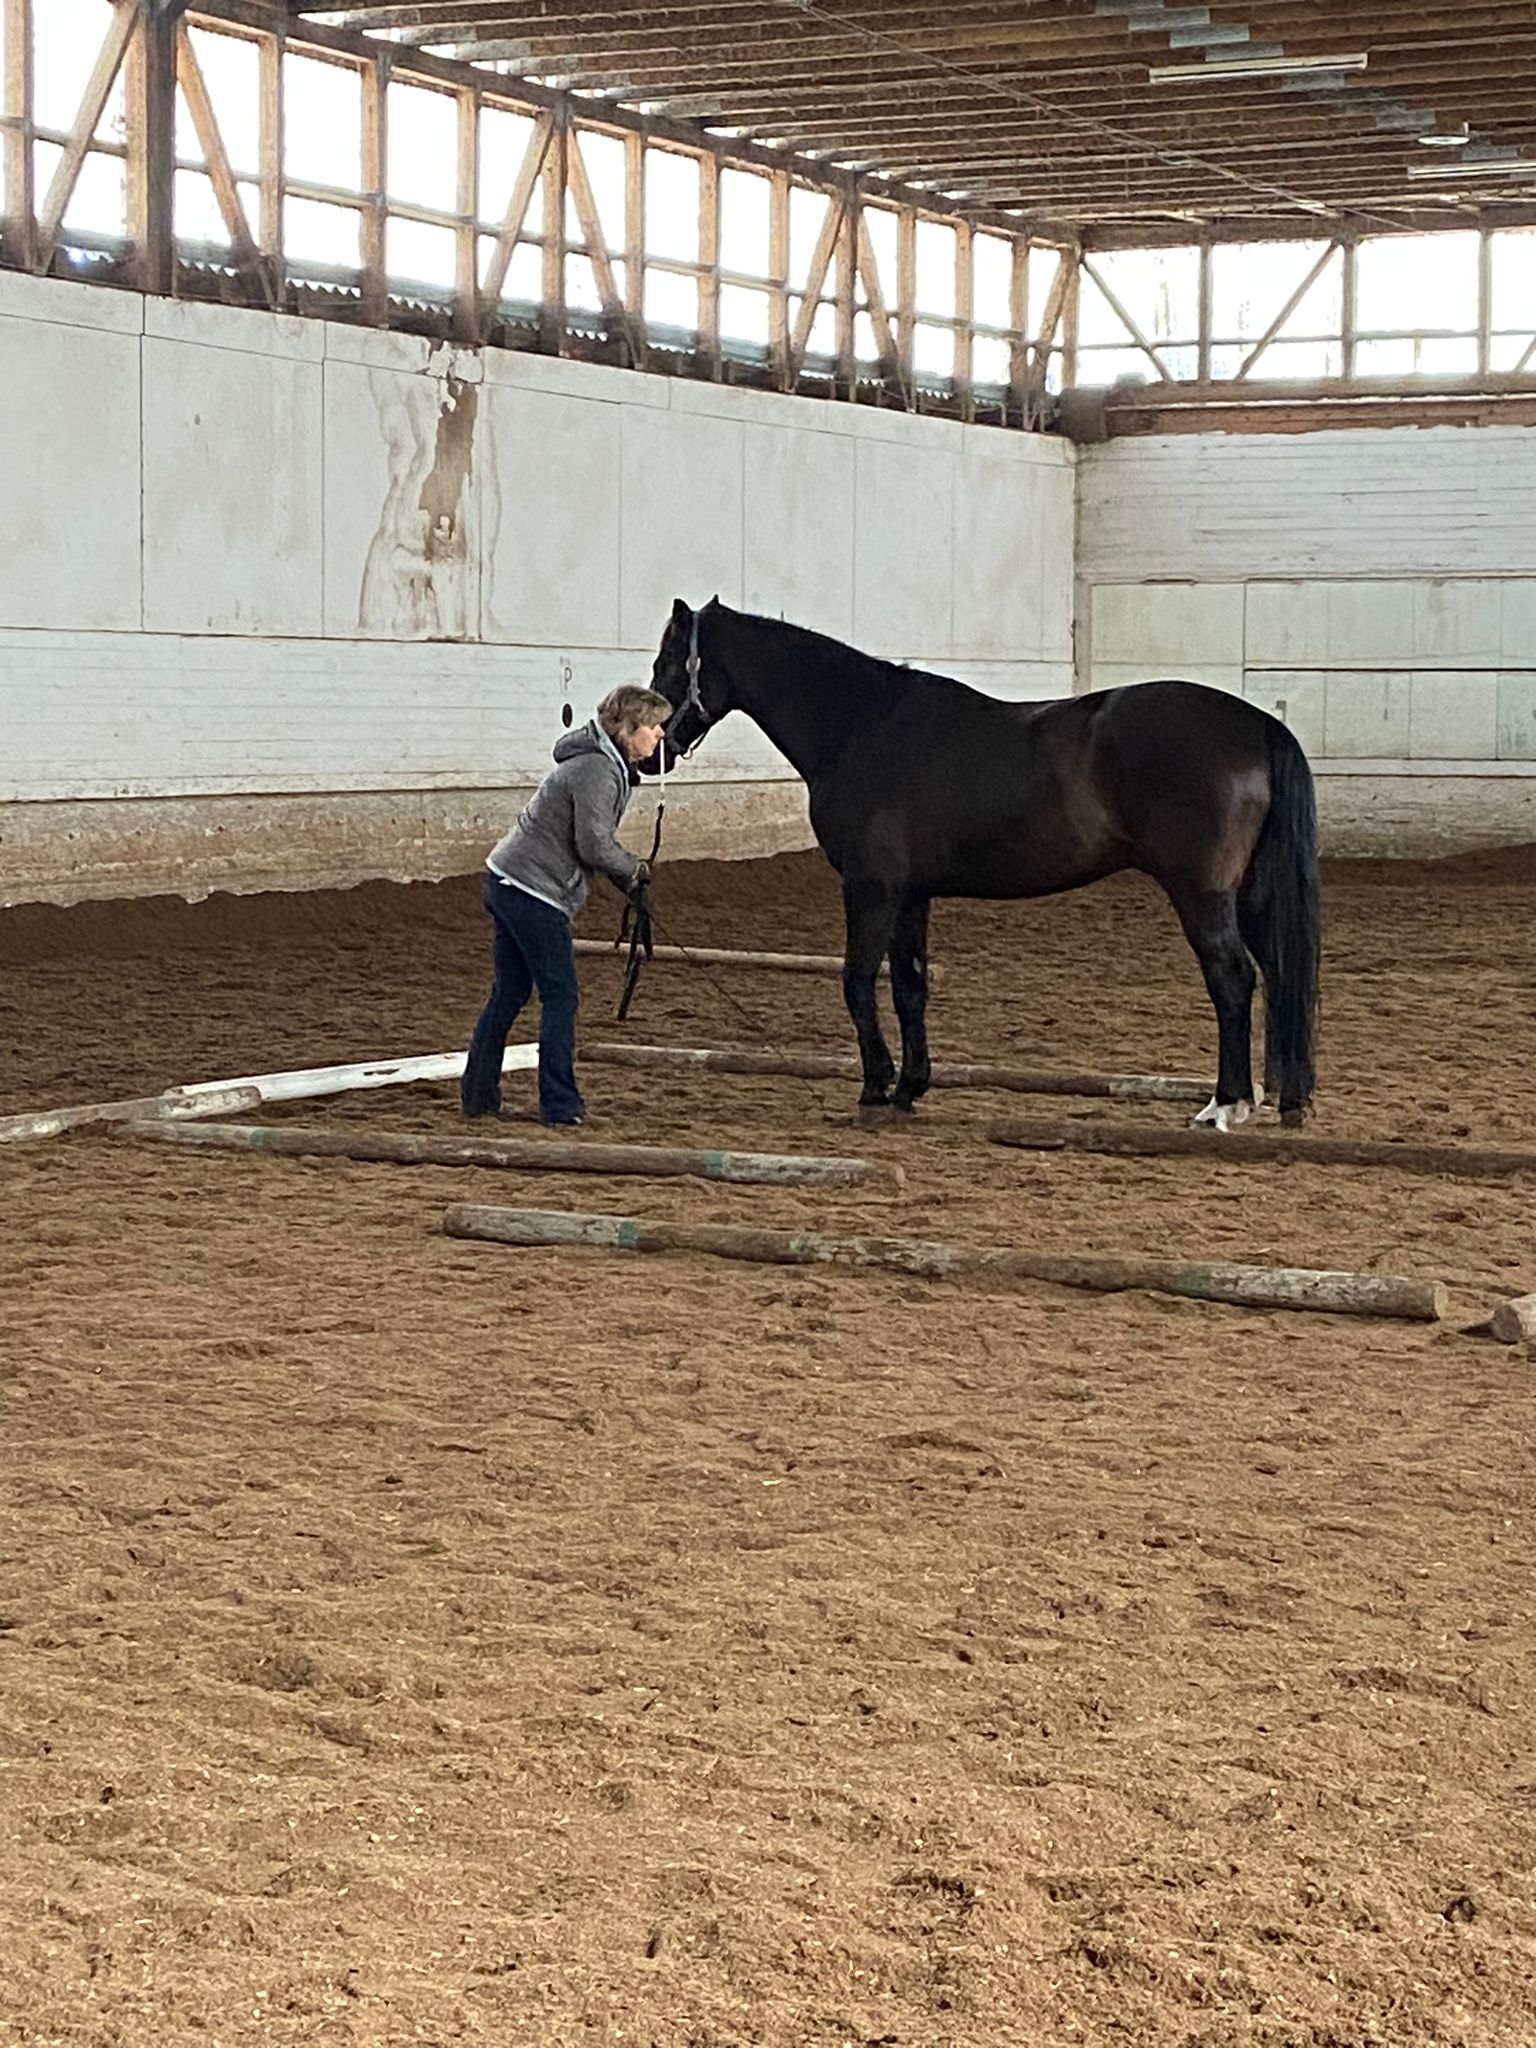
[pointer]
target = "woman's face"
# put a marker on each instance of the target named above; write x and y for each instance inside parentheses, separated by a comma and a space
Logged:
(640, 744)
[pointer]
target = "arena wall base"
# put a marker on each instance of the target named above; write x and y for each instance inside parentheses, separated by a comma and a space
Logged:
(82, 851)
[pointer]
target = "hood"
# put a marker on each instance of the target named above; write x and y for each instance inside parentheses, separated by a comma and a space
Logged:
(591, 739)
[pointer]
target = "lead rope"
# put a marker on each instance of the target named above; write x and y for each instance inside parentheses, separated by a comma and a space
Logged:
(635, 925)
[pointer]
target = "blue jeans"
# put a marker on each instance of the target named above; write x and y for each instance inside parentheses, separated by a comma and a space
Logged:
(532, 950)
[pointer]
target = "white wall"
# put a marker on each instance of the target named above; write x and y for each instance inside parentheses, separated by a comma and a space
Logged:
(1375, 588)
(350, 576)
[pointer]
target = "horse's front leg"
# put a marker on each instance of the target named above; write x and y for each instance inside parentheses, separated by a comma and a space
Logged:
(909, 993)
(870, 916)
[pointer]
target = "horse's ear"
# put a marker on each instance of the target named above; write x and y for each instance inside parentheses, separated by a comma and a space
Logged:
(680, 612)
(714, 603)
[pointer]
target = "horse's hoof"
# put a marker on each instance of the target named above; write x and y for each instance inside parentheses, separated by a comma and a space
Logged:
(877, 1116)
(1293, 1118)
(1221, 1116)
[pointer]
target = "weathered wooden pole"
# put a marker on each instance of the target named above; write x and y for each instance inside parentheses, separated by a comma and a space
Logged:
(525, 1155)
(1370, 1294)
(842, 1067)
(1252, 1148)
(51, 1123)
(722, 956)
(1515, 1320)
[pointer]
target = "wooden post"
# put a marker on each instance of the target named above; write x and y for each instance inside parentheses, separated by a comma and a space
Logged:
(523, 1155)
(1071, 306)
(906, 299)
(634, 247)
(552, 293)
(965, 323)
(845, 378)
(1260, 1148)
(270, 232)
(778, 270)
(1351, 315)
(50, 1123)
(709, 271)
(375, 279)
(1018, 321)
(842, 1067)
(1371, 1294)
(466, 294)
(20, 222)
(152, 143)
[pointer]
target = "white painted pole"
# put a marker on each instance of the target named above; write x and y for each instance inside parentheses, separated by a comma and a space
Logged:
(300, 1083)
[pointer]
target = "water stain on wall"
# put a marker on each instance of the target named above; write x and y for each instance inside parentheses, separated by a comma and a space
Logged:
(419, 578)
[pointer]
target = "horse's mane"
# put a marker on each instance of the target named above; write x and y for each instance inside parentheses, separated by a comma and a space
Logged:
(838, 663)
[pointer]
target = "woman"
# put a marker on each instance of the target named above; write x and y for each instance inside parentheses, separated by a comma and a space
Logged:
(538, 880)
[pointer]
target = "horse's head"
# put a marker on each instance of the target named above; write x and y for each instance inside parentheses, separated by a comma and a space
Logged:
(698, 699)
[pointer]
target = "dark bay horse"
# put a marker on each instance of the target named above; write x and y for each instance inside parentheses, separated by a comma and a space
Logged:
(921, 786)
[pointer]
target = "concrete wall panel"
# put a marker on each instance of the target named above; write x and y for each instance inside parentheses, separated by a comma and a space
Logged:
(1169, 629)
(798, 549)
(999, 560)
(1367, 717)
(682, 514)
(232, 491)
(69, 453)
(1517, 717)
(904, 550)
(1453, 717)
(553, 518)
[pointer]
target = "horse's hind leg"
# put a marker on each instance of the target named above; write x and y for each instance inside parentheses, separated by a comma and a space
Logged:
(909, 994)
(871, 917)
(1209, 918)
(1253, 923)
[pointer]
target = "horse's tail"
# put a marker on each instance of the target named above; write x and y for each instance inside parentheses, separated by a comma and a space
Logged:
(1280, 914)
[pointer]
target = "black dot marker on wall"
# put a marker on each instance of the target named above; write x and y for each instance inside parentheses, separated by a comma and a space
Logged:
(565, 716)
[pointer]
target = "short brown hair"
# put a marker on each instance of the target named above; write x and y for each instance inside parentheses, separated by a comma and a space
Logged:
(630, 706)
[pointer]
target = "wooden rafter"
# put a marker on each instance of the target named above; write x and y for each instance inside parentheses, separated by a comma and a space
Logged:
(93, 104)
(1275, 326)
(815, 282)
(189, 75)
(1148, 348)
(511, 227)
(614, 310)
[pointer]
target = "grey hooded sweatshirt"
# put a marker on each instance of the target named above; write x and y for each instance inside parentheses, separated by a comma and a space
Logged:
(566, 833)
